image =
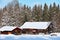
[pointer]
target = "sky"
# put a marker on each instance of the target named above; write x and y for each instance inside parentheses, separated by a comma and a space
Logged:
(30, 3)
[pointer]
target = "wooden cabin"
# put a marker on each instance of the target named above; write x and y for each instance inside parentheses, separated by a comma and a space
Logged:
(10, 30)
(17, 31)
(28, 28)
(36, 27)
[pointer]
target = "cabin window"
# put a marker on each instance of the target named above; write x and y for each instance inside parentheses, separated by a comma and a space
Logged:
(17, 31)
(34, 31)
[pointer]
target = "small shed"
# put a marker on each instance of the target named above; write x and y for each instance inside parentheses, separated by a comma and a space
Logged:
(9, 30)
(36, 27)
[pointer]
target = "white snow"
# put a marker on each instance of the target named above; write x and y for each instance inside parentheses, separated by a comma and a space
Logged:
(7, 28)
(30, 37)
(36, 25)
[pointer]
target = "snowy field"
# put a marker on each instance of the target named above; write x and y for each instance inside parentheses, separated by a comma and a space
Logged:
(30, 37)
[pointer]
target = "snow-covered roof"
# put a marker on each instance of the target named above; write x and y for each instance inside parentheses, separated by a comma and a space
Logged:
(7, 28)
(35, 25)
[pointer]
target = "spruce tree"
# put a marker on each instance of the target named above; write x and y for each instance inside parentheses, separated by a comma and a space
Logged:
(50, 12)
(45, 13)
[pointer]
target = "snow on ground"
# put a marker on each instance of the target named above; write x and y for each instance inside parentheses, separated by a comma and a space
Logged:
(52, 36)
